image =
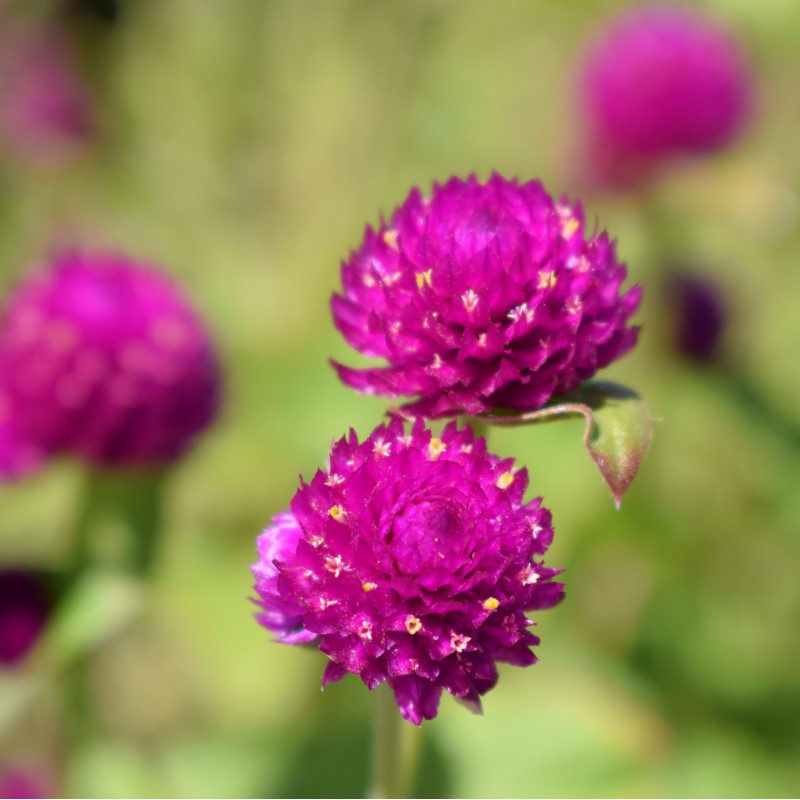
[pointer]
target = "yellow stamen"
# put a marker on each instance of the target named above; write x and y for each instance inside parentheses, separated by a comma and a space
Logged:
(436, 448)
(413, 625)
(547, 279)
(423, 278)
(505, 480)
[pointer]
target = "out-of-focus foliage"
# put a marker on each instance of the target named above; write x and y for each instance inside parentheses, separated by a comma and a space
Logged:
(245, 144)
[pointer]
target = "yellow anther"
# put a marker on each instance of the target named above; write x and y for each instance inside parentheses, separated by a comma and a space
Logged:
(413, 624)
(369, 586)
(568, 226)
(547, 279)
(491, 603)
(390, 238)
(337, 512)
(423, 278)
(505, 480)
(436, 448)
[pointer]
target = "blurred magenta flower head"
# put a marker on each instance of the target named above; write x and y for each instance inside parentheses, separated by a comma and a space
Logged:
(25, 607)
(661, 80)
(284, 617)
(27, 781)
(415, 562)
(102, 357)
(483, 295)
(46, 113)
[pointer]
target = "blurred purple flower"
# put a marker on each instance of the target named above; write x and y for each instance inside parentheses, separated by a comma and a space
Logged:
(415, 564)
(698, 310)
(24, 610)
(661, 80)
(102, 357)
(46, 113)
(284, 618)
(483, 295)
(15, 783)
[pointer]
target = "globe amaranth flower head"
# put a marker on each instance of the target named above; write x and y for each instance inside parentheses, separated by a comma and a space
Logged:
(658, 81)
(483, 295)
(412, 560)
(102, 357)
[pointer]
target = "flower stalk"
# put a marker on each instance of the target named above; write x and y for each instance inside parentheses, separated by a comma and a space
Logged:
(395, 749)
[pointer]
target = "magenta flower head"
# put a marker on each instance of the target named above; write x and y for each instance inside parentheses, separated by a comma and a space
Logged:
(25, 607)
(26, 782)
(659, 81)
(413, 560)
(483, 295)
(102, 357)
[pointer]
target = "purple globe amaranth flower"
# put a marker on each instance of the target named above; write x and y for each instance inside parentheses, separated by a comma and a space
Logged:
(483, 295)
(25, 607)
(658, 81)
(284, 617)
(26, 782)
(416, 563)
(102, 357)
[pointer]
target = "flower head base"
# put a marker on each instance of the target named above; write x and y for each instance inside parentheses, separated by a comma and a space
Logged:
(424, 579)
(102, 357)
(661, 80)
(483, 295)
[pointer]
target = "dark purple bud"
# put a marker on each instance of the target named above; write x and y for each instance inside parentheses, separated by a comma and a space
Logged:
(698, 315)
(25, 606)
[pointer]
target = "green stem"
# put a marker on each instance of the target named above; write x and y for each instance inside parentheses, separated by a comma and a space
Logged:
(134, 499)
(395, 748)
(87, 512)
(479, 426)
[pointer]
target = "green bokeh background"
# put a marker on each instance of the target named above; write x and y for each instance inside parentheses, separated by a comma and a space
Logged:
(244, 146)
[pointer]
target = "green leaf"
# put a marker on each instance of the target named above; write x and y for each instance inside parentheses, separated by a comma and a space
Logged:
(618, 428)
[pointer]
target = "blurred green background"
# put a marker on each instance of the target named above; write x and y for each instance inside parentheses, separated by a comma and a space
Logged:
(243, 145)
